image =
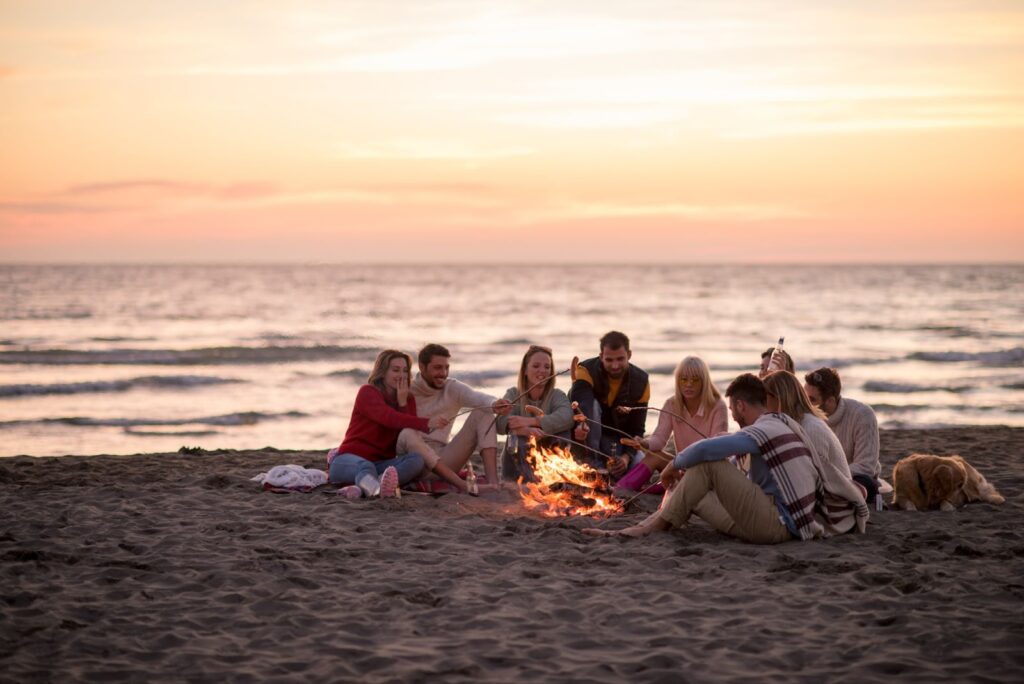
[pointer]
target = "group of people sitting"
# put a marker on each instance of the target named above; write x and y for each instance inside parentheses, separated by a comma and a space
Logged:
(804, 464)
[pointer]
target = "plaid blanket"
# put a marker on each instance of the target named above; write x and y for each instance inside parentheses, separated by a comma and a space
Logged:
(790, 463)
(843, 508)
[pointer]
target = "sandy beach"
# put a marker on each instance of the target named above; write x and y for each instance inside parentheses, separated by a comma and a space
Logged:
(176, 567)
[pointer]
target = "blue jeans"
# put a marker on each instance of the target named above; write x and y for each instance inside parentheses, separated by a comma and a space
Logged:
(348, 468)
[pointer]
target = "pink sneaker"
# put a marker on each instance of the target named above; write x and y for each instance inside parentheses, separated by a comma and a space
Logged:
(389, 483)
(351, 492)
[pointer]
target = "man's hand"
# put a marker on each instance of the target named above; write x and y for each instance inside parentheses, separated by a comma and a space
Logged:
(670, 476)
(581, 431)
(617, 465)
(436, 422)
(502, 407)
(623, 409)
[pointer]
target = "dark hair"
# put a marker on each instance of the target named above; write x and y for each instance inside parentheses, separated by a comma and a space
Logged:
(614, 340)
(786, 359)
(380, 366)
(749, 388)
(826, 380)
(430, 351)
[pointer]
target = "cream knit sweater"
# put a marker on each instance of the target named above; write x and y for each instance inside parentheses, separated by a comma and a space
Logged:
(447, 402)
(857, 429)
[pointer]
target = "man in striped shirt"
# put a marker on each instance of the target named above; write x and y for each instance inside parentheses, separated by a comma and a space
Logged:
(777, 503)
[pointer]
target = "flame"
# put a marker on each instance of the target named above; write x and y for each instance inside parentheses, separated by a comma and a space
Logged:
(555, 467)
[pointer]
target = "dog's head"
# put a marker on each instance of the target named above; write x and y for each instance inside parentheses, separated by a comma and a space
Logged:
(926, 480)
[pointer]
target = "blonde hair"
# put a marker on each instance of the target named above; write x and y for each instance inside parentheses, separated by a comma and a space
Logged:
(694, 367)
(383, 362)
(523, 386)
(793, 400)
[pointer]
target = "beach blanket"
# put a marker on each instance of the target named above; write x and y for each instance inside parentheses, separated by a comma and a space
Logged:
(291, 478)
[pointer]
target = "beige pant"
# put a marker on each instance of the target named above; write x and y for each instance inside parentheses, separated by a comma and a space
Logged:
(477, 432)
(722, 495)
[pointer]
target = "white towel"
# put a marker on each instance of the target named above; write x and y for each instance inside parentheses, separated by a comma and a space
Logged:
(292, 477)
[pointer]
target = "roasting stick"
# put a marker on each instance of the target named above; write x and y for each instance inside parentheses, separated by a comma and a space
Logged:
(674, 415)
(515, 399)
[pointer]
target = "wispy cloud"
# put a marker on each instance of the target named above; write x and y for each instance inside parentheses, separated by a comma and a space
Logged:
(54, 208)
(172, 188)
(668, 210)
(427, 149)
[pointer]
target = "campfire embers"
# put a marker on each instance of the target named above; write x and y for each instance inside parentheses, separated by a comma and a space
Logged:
(566, 487)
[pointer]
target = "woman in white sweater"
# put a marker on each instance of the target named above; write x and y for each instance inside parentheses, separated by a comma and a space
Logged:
(844, 498)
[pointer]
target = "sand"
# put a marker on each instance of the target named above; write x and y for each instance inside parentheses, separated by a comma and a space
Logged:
(175, 567)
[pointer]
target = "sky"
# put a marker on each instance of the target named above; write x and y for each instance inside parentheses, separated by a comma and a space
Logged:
(595, 131)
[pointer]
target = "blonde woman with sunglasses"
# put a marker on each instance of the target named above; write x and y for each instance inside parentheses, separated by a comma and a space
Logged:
(696, 411)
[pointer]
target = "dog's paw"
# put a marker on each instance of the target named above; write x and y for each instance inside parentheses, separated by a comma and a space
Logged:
(946, 506)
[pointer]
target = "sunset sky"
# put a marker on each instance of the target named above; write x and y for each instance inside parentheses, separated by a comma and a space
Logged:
(459, 130)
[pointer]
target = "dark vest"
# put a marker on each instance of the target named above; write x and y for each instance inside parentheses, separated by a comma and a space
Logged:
(630, 391)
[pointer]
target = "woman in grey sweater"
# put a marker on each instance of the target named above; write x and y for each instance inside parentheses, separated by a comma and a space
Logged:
(539, 409)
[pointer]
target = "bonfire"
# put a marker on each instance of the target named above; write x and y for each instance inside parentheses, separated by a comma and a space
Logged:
(566, 487)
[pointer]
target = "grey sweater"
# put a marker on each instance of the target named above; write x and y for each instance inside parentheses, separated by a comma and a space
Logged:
(557, 412)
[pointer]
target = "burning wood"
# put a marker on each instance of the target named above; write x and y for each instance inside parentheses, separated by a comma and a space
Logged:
(565, 487)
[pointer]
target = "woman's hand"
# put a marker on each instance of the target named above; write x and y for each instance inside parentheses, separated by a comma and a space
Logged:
(436, 422)
(518, 422)
(402, 390)
(534, 432)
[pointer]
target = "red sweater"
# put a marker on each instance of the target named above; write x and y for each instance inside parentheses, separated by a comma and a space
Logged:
(375, 424)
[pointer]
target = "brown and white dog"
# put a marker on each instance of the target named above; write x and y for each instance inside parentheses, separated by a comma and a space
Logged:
(925, 481)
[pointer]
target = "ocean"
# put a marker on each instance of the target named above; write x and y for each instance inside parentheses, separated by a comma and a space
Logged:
(137, 359)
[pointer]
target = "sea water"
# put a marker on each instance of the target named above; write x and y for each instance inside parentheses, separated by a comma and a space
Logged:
(129, 359)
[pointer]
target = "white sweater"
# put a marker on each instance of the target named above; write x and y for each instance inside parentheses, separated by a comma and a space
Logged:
(857, 429)
(447, 402)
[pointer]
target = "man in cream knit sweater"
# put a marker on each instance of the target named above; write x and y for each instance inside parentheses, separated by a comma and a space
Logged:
(854, 424)
(437, 394)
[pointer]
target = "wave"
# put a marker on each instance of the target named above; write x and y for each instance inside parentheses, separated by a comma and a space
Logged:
(184, 357)
(1005, 357)
(72, 313)
(478, 377)
(1013, 385)
(170, 433)
(359, 374)
(841, 362)
(100, 386)
(906, 387)
(117, 338)
(225, 420)
(961, 409)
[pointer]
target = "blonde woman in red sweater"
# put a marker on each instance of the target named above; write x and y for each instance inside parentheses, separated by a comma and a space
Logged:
(366, 459)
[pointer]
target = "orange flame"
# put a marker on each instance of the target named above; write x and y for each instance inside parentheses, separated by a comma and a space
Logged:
(560, 480)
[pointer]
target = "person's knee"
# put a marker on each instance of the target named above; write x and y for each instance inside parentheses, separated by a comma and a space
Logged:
(354, 466)
(414, 462)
